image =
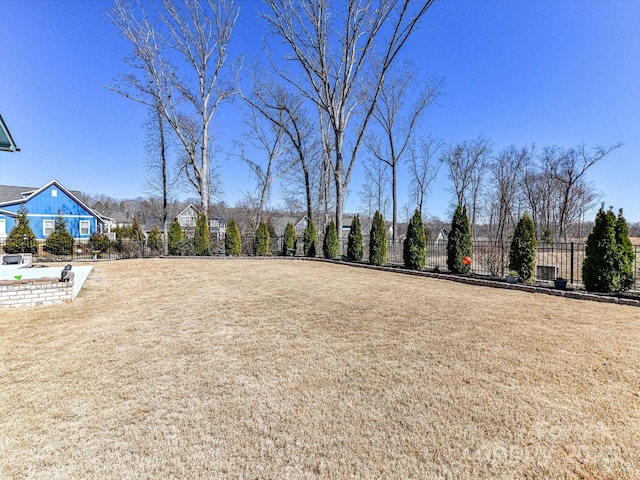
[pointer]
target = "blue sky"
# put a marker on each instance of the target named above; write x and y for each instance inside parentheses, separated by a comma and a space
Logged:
(519, 72)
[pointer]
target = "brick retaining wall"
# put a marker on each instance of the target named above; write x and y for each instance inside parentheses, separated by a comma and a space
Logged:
(32, 292)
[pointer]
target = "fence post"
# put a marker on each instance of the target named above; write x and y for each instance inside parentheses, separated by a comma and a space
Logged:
(571, 263)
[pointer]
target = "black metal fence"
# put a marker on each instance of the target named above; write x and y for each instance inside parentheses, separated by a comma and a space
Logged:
(83, 250)
(489, 258)
(554, 260)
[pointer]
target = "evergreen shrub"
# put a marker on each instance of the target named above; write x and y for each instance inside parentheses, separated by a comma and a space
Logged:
(261, 246)
(522, 254)
(232, 240)
(185, 247)
(155, 239)
(201, 236)
(355, 250)
(174, 237)
(626, 254)
(609, 257)
(98, 242)
(310, 240)
(330, 242)
(289, 240)
(60, 241)
(21, 238)
(414, 250)
(378, 241)
(459, 242)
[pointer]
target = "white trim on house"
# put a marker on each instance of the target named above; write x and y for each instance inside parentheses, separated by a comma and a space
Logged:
(51, 227)
(85, 228)
(64, 215)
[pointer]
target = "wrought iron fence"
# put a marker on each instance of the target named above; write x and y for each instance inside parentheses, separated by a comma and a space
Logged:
(554, 260)
(80, 250)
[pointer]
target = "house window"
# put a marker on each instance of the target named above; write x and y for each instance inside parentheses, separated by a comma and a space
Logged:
(54, 193)
(84, 227)
(47, 227)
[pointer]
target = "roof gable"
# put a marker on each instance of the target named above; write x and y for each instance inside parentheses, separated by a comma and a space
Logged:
(30, 194)
(190, 211)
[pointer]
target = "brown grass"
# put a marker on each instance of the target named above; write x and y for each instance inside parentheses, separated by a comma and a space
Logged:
(291, 369)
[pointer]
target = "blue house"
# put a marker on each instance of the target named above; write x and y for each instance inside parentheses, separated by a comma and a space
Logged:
(44, 205)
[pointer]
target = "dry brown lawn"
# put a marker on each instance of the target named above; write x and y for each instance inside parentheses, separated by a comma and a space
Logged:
(289, 369)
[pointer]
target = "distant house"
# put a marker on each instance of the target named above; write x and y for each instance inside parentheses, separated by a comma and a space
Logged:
(187, 220)
(44, 205)
(299, 224)
(443, 236)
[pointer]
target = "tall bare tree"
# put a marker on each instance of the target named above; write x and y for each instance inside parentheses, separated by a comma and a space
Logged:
(157, 182)
(269, 138)
(397, 121)
(504, 179)
(178, 59)
(335, 51)
(286, 111)
(467, 164)
(570, 168)
(424, 164)
(556, 188)
(374, 194)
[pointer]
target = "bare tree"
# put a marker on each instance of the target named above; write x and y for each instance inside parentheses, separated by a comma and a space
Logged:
(467, 164)
(285, 110)
(505, 173)
(424, 164)
(326, 192)
(157, 182)
(269, 137)
(397, 121)
(570, 169)
(556, 189)
(374, 195)
(180, 54)
(336, 51)
(539, 188)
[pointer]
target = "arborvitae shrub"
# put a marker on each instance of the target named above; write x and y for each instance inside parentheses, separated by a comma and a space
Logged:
(155, 239)
(459, 242)
(232, 240)
(201, 235)
(626, 253)
(378, 241)
(355, 250)
(185, 247)
(310, 240)
(136, 231)
(609, 259)
(330, 243)
(289, 239)
(522, 254)
(60, 241)
(261, 246)
(174, 236)
(415, 245)
(21, 238)
(98, 243)
(600, 270)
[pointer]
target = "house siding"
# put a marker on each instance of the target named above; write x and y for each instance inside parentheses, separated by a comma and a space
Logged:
(47, 206)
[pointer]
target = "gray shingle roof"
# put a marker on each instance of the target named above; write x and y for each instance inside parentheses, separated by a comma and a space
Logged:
(10, 192)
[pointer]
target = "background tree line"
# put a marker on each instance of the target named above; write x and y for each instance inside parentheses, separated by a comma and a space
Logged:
(331, 89)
